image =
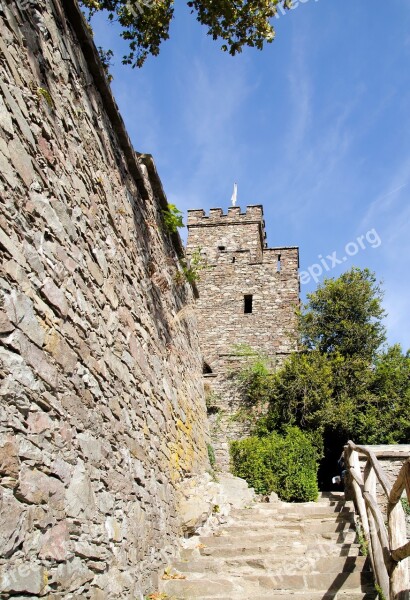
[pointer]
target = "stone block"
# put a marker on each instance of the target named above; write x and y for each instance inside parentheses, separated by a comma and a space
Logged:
(60, 351)
(87, 550)
(13, 523)
(5, 119)
(55, 296)
(6, 326)
(22, 161)
(13, 248)
(194, 512)
(35, 487)
(27, 450)
(35, 357)
(39, 422)
(92, 448)
(27, 577)
(80, 499)
(106, 502)
(113, 529)
(20, 375)
(9, 460)
(20, 311)
(55, 542)
(72, 574)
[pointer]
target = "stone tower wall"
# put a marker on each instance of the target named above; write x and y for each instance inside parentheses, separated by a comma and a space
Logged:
(102, 408)
(238, 264)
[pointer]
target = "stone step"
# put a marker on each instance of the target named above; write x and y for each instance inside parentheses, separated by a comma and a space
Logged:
(213, 586)
(300, 507)
(314, 581)
(341, 595)
(270, 562)
(271, 539)
(241, 514)
(260, 520)
(249, 539)
(342, 564)
(309, 507)
(289, 517)
(282, 528)
(246, 549)
(328, 526)
(259, 534)
(332, 495)
(295, 516)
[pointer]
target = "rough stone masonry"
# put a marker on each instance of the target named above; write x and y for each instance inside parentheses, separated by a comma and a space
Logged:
(102, 405)
(248, 295)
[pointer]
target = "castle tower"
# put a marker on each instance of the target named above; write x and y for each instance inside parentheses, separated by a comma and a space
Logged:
(247, 296)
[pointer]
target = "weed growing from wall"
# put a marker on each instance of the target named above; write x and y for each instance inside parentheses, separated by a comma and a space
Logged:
(191, 268)
(172, 218)
(211, 455)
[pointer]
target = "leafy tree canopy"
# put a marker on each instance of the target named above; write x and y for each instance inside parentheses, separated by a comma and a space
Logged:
(340, 381)
(145, 23)
(344, 315)
(342, 384)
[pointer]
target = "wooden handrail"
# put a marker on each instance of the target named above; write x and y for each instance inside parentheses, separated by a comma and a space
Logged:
(380, 474)
(388, 546)
(402, 482)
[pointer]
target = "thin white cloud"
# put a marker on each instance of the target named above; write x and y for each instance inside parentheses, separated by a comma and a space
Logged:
(300, 94)
(210, 124)
(391, 195)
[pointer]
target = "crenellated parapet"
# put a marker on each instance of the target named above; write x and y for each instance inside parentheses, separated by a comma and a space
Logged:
(216, 216)
(249, 225)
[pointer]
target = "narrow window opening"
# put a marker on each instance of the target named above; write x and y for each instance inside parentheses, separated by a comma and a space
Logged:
(247, 304)
(278, 265)
(233, 259)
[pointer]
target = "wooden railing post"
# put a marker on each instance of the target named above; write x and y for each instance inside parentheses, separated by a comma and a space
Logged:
(361, 505)
(376, 548)
(398, 537)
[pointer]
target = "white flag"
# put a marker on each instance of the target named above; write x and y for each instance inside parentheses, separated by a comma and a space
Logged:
(235, 194)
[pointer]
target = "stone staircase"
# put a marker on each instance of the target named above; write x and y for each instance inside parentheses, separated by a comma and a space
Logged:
(276, 551)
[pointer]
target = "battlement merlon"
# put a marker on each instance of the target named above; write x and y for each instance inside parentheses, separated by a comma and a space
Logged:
(234, 216)
(254, 212)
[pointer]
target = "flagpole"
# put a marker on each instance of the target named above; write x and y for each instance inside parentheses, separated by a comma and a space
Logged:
(234, 194)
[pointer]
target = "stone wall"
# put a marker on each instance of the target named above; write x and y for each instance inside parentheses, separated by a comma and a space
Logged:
(239, 264)
(102, 407)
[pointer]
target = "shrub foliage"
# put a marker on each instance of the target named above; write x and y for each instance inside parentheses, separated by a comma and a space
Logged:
(286, 464)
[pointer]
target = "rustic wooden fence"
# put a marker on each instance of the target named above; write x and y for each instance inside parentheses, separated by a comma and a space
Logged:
(387, 541)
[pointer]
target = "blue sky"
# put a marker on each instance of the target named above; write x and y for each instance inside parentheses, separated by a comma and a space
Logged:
(316, 128)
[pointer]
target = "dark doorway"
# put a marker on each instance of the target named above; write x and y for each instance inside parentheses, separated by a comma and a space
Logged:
(333, 447)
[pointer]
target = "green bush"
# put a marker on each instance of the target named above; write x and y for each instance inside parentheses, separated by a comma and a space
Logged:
(286, 464)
